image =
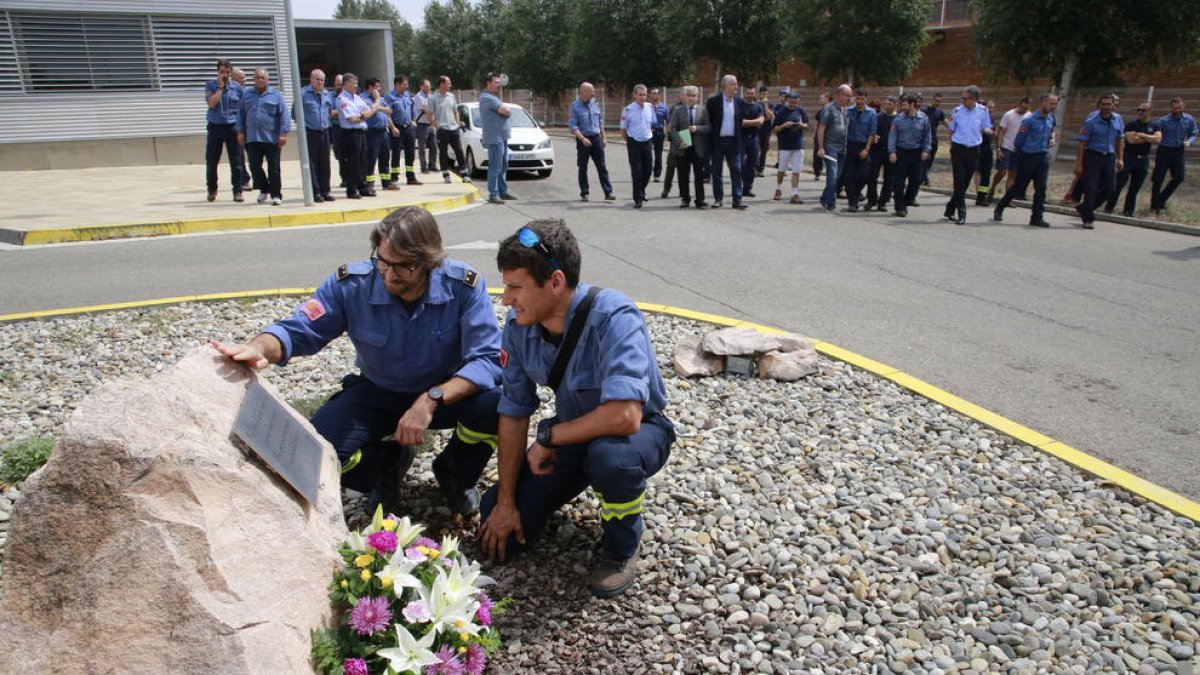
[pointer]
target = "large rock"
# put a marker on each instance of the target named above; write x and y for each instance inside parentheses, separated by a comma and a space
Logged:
(788, 366)
(742, 341)
(149, 543)
(691, 360)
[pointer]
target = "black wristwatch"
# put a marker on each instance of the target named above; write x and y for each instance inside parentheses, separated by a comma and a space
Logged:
(438, 396)
(545, 432)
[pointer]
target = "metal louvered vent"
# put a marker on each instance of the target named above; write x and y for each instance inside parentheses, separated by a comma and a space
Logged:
(83, 52)
(188, 48)
(10, 75)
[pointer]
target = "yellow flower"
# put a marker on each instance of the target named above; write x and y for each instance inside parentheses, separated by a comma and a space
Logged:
(430, 553)
(386, 581)
(364, 560)
(460, 623)
(389, 525)
(464, 637)
(345, 584)
(462, 650)
(365, 575)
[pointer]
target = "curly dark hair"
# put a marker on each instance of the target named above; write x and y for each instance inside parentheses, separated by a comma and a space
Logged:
(558, 239)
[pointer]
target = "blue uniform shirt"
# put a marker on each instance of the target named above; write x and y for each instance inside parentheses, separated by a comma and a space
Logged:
(263, 117)
(613, 361)
(967, 125)
(660, 116)
(316, 108)
(495, 127)
(226, 111)
(351, 105)
(1100, 135)
(1176, 131)
(637, 119)
(752, 111)
(402, 107)
(586, 117)
(1034, 134)
(860, 124)
(791, 138)
(910, 132)
(451, 331)
(380, 119)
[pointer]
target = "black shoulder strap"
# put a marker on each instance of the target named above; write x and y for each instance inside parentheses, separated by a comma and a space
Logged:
(568, 345)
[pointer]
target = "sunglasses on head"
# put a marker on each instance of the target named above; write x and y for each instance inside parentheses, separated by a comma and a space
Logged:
(530, 239)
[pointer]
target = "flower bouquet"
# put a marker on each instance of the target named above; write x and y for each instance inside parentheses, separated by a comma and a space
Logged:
(406, 604)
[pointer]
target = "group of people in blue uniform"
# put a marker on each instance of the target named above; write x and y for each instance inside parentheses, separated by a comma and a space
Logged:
(431, 355)
(879, 151)
(367, 129)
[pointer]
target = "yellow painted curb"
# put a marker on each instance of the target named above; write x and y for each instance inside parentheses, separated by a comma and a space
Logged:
(1073, 456)
(61, 235)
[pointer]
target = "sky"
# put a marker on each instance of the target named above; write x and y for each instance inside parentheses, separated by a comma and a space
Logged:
(413, 11)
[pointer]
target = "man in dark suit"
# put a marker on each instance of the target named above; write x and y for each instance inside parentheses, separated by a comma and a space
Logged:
(725, 114)
(693, 157)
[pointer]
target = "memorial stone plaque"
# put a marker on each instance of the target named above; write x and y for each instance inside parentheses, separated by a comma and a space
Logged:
(271, 430)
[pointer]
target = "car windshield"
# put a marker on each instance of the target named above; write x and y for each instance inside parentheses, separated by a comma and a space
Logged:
(520, 118)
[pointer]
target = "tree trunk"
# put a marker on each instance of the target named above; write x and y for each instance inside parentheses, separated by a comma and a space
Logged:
(1064, 91)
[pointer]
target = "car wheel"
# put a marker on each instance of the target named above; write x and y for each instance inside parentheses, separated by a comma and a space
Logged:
(471, 166)
(543, 173)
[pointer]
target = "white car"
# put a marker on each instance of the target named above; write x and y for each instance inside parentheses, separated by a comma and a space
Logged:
(529, 148)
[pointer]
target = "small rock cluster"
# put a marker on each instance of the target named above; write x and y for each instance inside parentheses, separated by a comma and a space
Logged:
(836, 524)
(778, 356)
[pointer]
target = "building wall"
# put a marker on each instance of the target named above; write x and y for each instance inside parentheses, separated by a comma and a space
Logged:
(104, 116)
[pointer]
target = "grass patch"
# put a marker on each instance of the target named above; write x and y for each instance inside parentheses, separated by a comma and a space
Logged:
(19, 459)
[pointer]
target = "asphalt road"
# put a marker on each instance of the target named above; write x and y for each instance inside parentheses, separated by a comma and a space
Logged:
(1091, 337)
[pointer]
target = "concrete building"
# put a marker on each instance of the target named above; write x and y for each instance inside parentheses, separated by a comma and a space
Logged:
(121, 82)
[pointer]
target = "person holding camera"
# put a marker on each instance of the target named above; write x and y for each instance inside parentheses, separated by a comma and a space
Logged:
(224, 98)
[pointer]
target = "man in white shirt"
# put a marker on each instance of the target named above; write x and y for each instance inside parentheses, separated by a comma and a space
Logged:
(1006, 156)
(637, 126)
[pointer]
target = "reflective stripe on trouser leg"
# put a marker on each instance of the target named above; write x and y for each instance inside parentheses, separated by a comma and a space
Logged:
(352, 461)
(610, 510)
(474, 437)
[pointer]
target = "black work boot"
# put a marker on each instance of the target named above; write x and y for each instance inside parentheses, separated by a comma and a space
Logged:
(397, 459)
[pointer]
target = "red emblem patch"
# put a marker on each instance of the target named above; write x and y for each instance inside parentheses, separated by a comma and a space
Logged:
(313, 309)
(503, 357)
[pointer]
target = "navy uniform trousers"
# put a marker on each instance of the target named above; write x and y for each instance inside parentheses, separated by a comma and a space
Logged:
(1167, 159)
(616, 468)
(1031, 166)
(594, 152)
(750, 162)
(1099, 179)
(906, 177)
(1137, 168)
(362, 413)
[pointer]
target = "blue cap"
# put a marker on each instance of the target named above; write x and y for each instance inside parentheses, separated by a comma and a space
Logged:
(793, 94)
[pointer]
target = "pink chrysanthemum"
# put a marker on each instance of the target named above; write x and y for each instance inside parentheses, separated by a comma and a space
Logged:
(476, 660)
(427, 543)
(370, 616)
(484, 613)
(449, 663)
(354, 667)
(382, 541)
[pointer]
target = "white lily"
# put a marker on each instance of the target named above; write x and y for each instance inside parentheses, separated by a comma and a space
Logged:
(410, 654)
(449, 614)
(449, 545)
(398, 574)
(464, 580)
(407, 533)
(357, 542)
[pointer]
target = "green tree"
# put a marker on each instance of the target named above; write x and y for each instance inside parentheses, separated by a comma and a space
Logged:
(624, 42)
(403, 36)
(538, 46)
(453, 42)
(744, 37)
(1059, 40)
(861, 40)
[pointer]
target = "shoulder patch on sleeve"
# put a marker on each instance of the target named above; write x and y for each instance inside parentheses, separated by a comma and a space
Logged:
(470, 277)
(343, 272)
(313, 309)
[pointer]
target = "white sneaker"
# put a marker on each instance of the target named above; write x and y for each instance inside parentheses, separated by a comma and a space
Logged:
(263, 197)
(446, 177)
(276, 201)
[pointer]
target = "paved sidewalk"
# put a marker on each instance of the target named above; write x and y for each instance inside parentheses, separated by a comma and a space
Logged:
(116, 202)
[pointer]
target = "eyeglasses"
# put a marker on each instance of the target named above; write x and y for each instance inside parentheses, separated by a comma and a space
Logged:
(398, 268)
(1143, 110)
(530, 239)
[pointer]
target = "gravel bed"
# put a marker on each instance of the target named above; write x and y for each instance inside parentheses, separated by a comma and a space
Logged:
(838, 524)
